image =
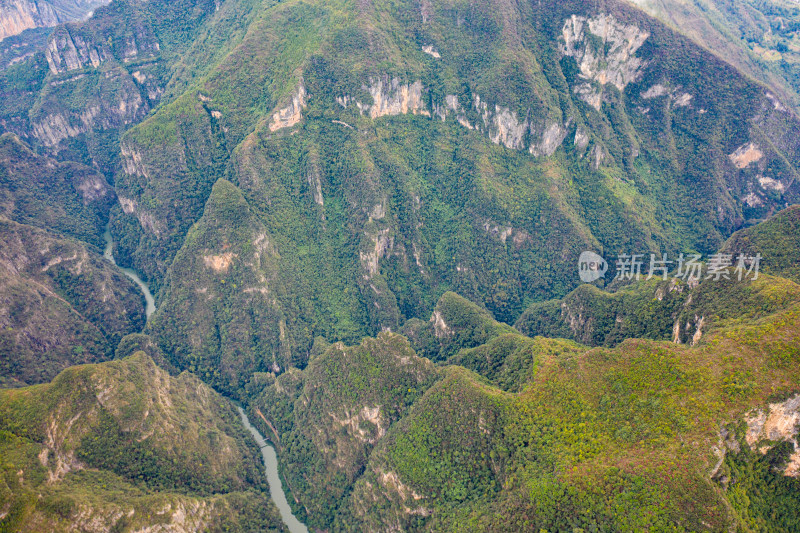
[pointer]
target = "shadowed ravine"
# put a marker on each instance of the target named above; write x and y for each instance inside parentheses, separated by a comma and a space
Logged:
(108, 253)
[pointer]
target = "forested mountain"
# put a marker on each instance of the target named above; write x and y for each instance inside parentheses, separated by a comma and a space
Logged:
(122, 446)
(760, 37)
(362, 220)
(16, 16)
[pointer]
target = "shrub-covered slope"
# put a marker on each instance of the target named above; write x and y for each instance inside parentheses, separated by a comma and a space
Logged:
(123, 446)
(681, 309)
(66, 198)
(221, 315)
(61, 304)
(326, 419)
(393, 154)
(644, 436)
(664, 310)
(777, 240)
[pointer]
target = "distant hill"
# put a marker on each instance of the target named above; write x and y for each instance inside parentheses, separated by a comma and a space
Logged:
(760, 37)
(17, 16)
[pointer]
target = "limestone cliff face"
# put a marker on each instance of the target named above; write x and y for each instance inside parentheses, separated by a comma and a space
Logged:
(503, 126)
(79, 57)
(17, 16)
(121, 105)
(292, 113)
(780, 422)
(611, 62)
(72, 48)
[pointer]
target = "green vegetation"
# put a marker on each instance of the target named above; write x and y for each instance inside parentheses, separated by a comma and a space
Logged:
(456, 323)
(65, 198)
(125, 444)
(660, 310)
(325, 420)
(370, 220)
(777, 240)
(61, 304)
(602, 439)
(764, 497)
(298, 180)
(221, 316)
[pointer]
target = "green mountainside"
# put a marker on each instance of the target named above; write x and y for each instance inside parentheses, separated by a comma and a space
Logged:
(361, 219)
(67, 198)
(374, 213)
(778, 242)
(644, 436)
(61, 304)
(760, 37)
(122, 446)
(661, 310)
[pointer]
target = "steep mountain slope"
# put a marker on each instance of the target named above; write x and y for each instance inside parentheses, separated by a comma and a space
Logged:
(681, 309)
(299, 180)
(224, 280)
(91, 80)
(123, 446)
(760, 37)
(777, 240)
(549, 434)
(665, 310)
(648, 435)
(384, 174)
(326, 419)
(17, 16)
(61, 304)
(66, 198)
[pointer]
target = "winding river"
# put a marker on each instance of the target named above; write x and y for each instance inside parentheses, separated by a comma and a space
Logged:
(267, 451)
(274, 480)
(108, 253)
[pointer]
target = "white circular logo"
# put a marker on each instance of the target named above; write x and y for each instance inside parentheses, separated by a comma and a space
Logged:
(591, 267)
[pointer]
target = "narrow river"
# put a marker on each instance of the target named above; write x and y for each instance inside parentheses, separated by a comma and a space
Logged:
(267, 451)
(108, 253)
(274, 480)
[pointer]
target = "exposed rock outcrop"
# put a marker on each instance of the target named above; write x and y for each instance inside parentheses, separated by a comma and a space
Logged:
(17, 16)
(71, 49)
(604, 49)
(395, 98)
(502, 125)
(779, 423)
(746, 155)
(291, 114)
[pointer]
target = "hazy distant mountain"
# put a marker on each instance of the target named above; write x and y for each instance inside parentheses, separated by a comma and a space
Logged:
(760, 37)
(17, 16)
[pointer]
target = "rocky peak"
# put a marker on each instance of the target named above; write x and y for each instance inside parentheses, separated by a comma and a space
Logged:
(71, 49)
(605, 50)
(17, 16)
